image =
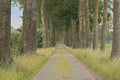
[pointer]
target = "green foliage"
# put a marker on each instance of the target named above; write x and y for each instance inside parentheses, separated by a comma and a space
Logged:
(16, 41)
(39, 38)
(65, 11)
(101, 8)
(39, 14)
(18, 3)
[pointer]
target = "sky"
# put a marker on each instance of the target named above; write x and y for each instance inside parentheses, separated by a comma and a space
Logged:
(16, 21)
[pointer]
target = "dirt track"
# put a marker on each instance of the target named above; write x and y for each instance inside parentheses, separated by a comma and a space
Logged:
(63, 66)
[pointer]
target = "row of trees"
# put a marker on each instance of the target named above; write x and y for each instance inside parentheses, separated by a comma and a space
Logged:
(28, 31)
(31, 21)
(74, 21)
(80, 22)
(86, 32)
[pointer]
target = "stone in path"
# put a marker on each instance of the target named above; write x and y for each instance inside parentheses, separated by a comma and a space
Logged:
(63, 66)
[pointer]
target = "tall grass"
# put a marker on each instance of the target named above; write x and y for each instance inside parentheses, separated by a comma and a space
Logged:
(99, 62)
(26, 67)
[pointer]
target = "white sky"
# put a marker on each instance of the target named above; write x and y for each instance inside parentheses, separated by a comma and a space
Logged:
(16, 21)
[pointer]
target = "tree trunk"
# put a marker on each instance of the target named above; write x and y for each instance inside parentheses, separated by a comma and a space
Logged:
(83, 28)
(29, 27)
(73, 23)
(116, 30)
(87, 22)
(70, 36)
(5, 32)
(34, 25)
(44, 24)
(56, 35)
(26, 27)
(103, 32)
(77, 35)
(52, 32)
(95, 33)
(80, 23)
(66, 37)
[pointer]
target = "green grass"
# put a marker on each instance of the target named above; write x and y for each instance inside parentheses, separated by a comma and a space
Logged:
(26, 67)
(106, 45)
(99, 62)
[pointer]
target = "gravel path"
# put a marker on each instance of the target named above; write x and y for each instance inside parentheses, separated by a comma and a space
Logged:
(63, 66)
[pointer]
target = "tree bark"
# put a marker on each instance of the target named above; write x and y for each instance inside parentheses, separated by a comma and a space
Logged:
(44, 24)
(70, 36)
(34, 25)
(73, 24)
(29, 27)
(77, 35)
(116, 30)
(80, 23)
(87, 22)
(52, 32)
(83, 26)
(66, 37)
(5, 32)
(103, 31)
(95, 33)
